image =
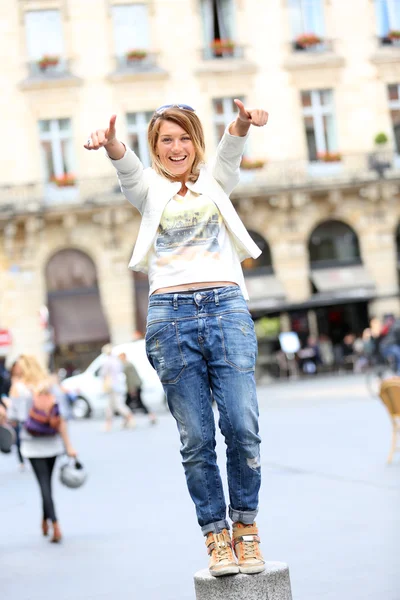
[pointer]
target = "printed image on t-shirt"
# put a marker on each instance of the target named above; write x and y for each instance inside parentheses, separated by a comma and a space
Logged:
(188, 226)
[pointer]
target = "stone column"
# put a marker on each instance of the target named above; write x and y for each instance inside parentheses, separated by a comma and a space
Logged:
(272, 584)
(378, 249)
(116, 292)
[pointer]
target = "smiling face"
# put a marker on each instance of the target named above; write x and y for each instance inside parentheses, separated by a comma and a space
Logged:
(175, 150)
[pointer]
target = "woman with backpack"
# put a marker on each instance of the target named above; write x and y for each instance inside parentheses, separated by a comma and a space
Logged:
(44, 434)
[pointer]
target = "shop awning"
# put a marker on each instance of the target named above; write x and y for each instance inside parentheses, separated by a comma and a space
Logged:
(344, 282)
(265, 292)
(77, 318)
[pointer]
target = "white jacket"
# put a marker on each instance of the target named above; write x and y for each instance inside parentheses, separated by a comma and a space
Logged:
(149, 192)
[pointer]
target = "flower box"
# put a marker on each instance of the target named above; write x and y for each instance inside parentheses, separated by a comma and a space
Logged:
(307, 40)
(248, 164)
(221, 47)
(66, 180)
(394, 35)
(329, 156)
(48, 61)
(136, 55)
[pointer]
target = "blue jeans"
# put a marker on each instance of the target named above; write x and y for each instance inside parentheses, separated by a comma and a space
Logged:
(203, 347)
(393, 351)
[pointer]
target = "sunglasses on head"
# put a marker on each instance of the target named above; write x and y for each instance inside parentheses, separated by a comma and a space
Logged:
(164, 107)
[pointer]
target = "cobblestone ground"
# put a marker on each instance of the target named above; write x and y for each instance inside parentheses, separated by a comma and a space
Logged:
(329, 506)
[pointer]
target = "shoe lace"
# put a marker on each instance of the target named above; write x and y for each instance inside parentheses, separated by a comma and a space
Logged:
(250, 548)
(222, 548)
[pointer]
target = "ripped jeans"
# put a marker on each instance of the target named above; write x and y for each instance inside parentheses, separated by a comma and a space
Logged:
(203, 347)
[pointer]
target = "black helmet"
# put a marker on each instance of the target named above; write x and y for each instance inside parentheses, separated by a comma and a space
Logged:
(73, 474)
(7, 438)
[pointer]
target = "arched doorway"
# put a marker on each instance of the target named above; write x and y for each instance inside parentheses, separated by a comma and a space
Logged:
(333, 243)
(141, 294)
(266, 296)
(340, 283)
(264, 261)
(398, 253)
(75, 312)
(265, 290)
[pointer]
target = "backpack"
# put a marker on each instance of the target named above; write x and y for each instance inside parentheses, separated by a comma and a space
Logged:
(44, 417)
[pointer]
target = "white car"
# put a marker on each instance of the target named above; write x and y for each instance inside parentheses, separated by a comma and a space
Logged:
(88, 386)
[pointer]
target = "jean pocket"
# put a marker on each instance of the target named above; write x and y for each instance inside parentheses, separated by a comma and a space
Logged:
(239, 341)
(164, 351)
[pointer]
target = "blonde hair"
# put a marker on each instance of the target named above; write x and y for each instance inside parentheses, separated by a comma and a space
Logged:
(33, 374)
(190, 122)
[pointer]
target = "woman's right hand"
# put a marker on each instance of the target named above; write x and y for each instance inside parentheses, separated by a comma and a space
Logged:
(71, 452)
(101, 138)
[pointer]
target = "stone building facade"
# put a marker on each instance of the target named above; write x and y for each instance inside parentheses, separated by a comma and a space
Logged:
(317, 192)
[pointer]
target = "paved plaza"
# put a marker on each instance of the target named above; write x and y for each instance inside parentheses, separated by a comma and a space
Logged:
(329, 506)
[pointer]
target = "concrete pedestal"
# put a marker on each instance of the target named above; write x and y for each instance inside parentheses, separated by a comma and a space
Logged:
(272, 584)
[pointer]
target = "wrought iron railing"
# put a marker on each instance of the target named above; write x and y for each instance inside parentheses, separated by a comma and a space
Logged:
(215, 52)
(323, 45)
(49, 69)
(136, 62)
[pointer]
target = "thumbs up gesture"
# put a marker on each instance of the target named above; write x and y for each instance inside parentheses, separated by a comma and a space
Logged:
(102, 137)
(256, 116)
(106, 138)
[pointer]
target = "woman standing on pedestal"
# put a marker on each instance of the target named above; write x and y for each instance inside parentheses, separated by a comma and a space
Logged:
(200, 336)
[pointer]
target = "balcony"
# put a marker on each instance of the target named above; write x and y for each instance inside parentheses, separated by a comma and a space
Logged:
(388, 49)
(39, 197)
(49, 72)
(226, 58)
(138, 64)
(312, 53)
(302, 174)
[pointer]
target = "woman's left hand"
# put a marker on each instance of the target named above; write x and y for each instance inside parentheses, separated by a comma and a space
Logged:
(256, 116)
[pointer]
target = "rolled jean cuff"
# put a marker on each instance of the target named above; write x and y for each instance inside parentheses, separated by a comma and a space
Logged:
(215, 527)
(247, 517)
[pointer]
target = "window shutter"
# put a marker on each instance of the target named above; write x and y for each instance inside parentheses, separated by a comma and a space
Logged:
(313, 15)
(394, 14)
(226, 19)
(131, 28)
(43, 33)
(306, 16)
(295, 16)
(208, 21)
(382, 18)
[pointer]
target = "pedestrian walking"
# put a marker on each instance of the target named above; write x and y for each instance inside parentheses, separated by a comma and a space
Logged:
(15, 376)
(134, 388)
(200, 336)
(114, 387)
(44, 434)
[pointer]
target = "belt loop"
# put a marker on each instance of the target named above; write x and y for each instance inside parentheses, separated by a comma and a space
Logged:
(175, 302)
(216, 298)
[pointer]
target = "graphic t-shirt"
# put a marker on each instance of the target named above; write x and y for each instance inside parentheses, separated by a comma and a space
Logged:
(192, 245)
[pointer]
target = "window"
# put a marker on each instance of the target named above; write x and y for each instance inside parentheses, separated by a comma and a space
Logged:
(218, 28)
(137, 124)
(306, 17)
(225, 111)
(394, 106)
(131, 30)
(57, 151)
(319, 122)
(388, 17)
(44, 39)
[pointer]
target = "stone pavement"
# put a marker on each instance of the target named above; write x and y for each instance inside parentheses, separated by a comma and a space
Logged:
(330, 506)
